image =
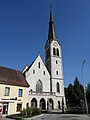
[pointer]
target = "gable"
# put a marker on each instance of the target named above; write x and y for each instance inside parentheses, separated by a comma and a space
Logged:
(38, 62)
(37, 71)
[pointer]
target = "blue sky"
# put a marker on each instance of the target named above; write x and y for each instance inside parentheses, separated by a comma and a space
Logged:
(24, 31)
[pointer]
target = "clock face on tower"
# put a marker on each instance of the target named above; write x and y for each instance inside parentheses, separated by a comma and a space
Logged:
(55, 44)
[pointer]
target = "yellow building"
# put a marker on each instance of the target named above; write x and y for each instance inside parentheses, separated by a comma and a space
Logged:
(13, 91)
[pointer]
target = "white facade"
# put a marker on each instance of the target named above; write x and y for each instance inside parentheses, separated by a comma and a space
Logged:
(46, 80)
(34, 74)
(57, 69)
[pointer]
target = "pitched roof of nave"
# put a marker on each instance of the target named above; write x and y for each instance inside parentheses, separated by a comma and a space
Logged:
(12, 77)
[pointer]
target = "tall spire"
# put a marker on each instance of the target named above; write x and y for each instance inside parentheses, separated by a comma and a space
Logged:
(51, 32)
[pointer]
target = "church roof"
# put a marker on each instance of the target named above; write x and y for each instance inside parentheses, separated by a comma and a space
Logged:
(12, 77)
(27, 68)
(51, 32)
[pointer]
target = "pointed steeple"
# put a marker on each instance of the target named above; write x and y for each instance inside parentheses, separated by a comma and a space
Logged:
(51, 32)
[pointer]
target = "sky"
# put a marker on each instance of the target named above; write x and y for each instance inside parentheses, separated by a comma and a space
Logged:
(24, 31)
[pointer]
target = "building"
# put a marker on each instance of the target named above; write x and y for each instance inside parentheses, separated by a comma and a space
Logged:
(14, 91)
(46, 79)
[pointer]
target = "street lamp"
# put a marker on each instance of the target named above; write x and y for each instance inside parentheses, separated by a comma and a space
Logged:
(86, 105)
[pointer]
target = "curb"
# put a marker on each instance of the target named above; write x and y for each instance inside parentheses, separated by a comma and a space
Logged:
(31, 118)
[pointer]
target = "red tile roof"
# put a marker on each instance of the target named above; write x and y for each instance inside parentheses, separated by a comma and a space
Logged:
(12, 77)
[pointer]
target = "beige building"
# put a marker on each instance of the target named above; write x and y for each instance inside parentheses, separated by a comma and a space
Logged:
(13, 91)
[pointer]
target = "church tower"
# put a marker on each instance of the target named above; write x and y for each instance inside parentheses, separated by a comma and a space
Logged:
(53, 60)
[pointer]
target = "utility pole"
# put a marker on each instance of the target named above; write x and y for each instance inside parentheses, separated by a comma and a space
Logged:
(86, 105)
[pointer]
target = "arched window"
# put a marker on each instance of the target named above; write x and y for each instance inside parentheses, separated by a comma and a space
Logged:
(39, 87)
(58, 87)
(57, 52)
(54, 51)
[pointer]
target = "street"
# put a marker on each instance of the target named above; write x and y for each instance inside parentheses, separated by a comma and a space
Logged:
(58, 117)
(62, 117)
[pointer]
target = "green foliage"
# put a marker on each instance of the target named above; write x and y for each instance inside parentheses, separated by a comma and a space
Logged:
(78, 88)
(23, 112)
(88, 92)
(30, 111)
(72, 96)
(74, 93)
(35, 111)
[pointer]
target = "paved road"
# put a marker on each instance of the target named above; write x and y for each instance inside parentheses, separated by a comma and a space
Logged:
(5, 119)
(61, 117)
(58, 117)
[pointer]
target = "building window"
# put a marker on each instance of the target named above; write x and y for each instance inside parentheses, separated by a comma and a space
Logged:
(54, 51)
(33, 71)
(39, 87)
(59, 107)
(56, 62)
(57, 52)
(39, 65)
(19, 107)
(7, 91)
(58, 88)
(56, 72)
(20, 92)
(44, 72)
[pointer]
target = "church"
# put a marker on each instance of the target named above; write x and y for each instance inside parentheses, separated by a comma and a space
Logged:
(46, 80)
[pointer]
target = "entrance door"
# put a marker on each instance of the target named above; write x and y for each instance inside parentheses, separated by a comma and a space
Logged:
(51, 103)
(5, 108)
(34, 102)
(42, 104)
(59, 105)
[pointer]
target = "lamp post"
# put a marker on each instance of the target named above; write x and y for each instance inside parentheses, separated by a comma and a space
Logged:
(86, 105)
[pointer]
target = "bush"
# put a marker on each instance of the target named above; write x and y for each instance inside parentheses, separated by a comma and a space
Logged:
(30, 111)
(35, 111)
(75, 110)
(23, 112)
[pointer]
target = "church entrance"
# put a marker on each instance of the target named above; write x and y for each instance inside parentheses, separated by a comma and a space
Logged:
(34, 102)
(42, 104)
(50, 104)
(59, 105)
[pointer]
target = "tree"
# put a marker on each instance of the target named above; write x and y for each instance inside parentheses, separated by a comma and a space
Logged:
(78, 89)
(72, 96)
(75, 92)
(88, 95)
(88, 92)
